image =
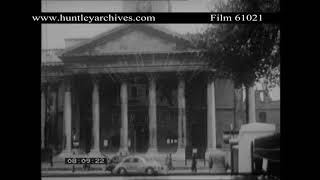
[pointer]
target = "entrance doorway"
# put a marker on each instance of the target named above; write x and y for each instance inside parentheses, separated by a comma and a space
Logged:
(197, 140)
(140, 139)
(139, 132)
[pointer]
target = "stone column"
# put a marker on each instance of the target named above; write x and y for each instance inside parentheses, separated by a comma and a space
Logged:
(218, 156)
(211, 116)
(54, 115)
(252, 104)
(182, 137)
(66, 152)
(43, 115)
(124, 118)
(152, 116)
(95, 149)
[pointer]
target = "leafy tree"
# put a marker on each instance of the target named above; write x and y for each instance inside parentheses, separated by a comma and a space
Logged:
(243, 52)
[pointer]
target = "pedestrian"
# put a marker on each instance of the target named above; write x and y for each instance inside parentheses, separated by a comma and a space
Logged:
(75, 139)
(170, 162)
(86, 166)
(167, 160)
(194, 164)
(106, 163)
(210, 164)
(51, 157)
(167, 163)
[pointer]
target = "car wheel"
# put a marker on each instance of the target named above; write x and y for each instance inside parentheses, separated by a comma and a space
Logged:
(122, 171)
(150, 171)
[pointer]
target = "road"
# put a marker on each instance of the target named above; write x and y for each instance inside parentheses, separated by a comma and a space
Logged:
(182, 177)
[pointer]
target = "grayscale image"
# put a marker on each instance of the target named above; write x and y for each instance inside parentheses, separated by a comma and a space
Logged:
(170, 101)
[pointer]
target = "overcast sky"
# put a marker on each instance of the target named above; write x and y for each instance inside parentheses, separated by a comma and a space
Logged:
(53, 35)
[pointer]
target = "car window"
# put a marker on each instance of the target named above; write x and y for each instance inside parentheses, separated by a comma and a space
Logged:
(128, 160)
(136, 160)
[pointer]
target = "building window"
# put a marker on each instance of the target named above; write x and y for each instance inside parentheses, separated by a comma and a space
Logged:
(136, 91)
(263, 117)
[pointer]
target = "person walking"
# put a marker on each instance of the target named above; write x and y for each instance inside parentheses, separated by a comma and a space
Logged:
(106, 163)
(51, 157)
(210, 164)
(167, 163)
(194, 164)
(170, 162)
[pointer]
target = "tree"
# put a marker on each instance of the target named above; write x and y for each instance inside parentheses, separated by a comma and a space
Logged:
(243, 52)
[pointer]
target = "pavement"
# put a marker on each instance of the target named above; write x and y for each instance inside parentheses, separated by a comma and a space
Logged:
(180, 167)
(59, 168)
(103, 173)
(179, 177)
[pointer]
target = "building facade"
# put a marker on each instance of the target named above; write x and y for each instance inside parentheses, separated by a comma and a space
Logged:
(267, 110)
(135, 89)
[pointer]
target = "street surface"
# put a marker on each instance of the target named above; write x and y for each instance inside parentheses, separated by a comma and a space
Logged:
(182, 177)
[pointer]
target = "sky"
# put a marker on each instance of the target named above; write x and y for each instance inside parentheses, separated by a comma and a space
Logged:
(53, 35)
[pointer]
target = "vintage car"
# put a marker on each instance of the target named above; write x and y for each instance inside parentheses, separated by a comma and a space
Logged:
(138, 164)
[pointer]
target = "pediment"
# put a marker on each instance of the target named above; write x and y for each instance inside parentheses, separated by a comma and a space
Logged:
(131, 39)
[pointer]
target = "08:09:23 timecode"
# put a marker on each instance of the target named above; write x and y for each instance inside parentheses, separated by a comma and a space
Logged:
(85, 160)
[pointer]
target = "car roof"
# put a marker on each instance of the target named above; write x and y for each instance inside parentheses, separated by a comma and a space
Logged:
(135, 156)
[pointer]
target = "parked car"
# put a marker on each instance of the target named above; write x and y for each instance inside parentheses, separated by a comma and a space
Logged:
(138, 164)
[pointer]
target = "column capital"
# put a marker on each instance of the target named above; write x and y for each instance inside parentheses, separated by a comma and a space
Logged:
(181, 76)
(211, 76)
(181, 86)
(96, 78)
(44, 87)
(152, 76)
(67, 82)
(123, 78)
(54, 85)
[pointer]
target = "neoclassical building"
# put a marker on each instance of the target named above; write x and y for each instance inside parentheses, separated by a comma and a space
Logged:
(134, 89)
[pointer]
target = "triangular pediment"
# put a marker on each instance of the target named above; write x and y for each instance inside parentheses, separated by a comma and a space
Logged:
(131, 39)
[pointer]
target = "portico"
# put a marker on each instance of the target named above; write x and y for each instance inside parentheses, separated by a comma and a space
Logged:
(137, 88)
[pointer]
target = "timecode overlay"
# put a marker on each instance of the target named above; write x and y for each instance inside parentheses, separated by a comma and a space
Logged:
(85, 160)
